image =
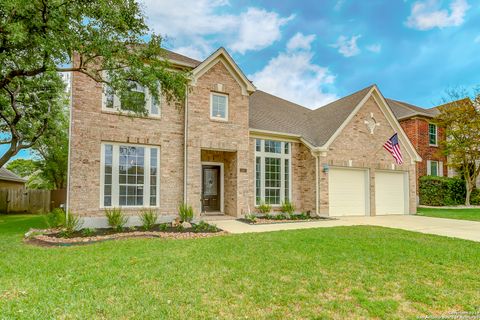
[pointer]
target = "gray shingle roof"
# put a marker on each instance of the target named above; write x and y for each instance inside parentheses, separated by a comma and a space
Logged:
(181, 58)
(403, 110)
(271, 113)
(8, 175)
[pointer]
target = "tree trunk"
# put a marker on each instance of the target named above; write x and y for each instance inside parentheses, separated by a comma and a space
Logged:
(469, 186)
(12, 150)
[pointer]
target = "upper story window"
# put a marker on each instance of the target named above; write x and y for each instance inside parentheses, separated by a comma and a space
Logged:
(134, 100)
(219, 106)
(432, 134)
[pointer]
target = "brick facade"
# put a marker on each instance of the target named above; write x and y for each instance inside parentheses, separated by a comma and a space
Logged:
(355, 147)
(208, 140)
(417, 131)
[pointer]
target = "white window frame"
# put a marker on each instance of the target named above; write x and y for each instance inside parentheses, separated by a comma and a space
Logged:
(436, 135)
(439, 168)
(117, 103)
(282, 156)
(115, 175)
(212, 117)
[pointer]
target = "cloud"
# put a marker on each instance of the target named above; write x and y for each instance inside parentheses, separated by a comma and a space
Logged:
(428, 14)
(197, 26)
(347, 47)
(300, 41)
(477, 39)
(338, 6)
(293, 75)
(375, 48)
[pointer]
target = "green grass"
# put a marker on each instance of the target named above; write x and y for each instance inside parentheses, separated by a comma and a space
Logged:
(461, 214)
(325, 273)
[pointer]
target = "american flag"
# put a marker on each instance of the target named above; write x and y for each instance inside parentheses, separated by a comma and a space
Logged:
(393, 147)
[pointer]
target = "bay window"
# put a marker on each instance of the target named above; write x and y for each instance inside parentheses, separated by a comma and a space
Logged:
(129, 175)
(272, 172)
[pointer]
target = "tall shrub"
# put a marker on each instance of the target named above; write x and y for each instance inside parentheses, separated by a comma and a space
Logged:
(441, 191)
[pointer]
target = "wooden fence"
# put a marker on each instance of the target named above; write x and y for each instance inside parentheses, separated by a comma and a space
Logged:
(29, 201)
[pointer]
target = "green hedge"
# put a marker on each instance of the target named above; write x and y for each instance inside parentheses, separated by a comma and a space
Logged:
(441, 191)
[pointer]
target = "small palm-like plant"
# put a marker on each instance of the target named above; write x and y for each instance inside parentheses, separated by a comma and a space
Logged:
(288, 207)
(185, 212)
(264, 208)
(116, 218)
(149, 219)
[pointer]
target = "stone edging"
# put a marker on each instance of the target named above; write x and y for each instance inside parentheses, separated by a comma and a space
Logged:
(47, 240)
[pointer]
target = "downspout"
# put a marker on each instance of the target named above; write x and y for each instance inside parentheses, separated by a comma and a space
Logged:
(67, 200)
(317, 176)
(185, 153)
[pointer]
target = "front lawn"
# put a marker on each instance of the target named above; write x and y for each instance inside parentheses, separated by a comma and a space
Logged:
(342, 272)
(462, 214)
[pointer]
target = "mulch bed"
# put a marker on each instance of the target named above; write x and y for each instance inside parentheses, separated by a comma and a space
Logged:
(53, 238)
(261, 220)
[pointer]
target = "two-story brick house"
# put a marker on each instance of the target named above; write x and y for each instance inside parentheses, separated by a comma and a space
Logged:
(425, 136)
(232, 147)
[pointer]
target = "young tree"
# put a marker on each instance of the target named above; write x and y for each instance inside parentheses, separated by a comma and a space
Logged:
(461, 120)
(103, 39)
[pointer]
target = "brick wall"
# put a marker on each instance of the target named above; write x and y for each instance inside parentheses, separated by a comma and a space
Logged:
(356, 147)
(231, 136)
(91, 126)
(417, 131)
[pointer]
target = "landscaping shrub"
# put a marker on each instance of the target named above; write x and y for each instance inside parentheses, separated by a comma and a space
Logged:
(288, 207)
(475, 197)
(264, 208)
(202, 226)
(116, 219)
(441, 191)
(149, 219)
(163, 227)
(88, 232)
(185, 212)
(55, 218)
(251, 217)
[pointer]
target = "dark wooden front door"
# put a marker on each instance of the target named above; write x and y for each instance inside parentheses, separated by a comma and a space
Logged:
(211, 192)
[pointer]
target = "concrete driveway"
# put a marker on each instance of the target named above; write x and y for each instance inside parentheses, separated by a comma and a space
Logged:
(463, 229)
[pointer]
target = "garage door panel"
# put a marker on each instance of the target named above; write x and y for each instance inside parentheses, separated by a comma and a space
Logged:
(347, 192)
(390, 193)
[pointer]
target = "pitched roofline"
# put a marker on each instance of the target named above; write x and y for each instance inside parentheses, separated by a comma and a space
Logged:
(12, 177)
(223, 56)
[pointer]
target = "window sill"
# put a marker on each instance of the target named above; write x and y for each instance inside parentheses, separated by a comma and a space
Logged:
(131, 114)
(218, 120)
(130, 208)
(433, 145)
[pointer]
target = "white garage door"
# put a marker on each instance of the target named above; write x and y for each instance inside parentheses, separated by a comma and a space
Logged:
(347, 192)
(390, 192)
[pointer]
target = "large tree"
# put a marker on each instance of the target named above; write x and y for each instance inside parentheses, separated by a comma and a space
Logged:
(107, 40)
(460, 116)
(47, 168)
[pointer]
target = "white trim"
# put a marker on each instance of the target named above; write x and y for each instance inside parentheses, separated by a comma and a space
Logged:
(222, 181)
(212, 117)
(429, 168)
(440, 168)
(222, 55)
(115, 175)
(436, 135)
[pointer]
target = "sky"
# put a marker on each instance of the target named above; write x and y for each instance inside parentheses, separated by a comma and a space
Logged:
(314, 52)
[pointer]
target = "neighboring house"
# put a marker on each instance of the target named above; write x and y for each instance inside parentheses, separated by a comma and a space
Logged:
(425, 136)
(10, 180)
(233, 147)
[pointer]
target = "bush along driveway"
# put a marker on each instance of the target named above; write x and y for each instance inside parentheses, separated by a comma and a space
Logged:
(323, 273)
(461, 214)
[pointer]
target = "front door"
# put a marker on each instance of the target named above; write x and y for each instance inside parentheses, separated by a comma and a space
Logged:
(211, 192)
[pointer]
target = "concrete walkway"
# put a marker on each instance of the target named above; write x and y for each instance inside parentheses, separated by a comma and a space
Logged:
(463, 229)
